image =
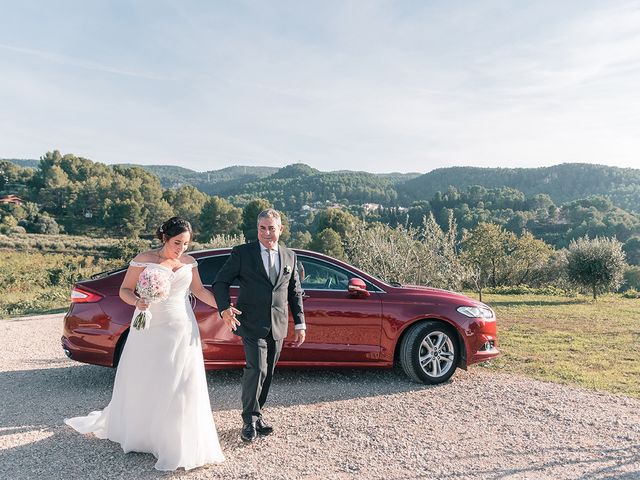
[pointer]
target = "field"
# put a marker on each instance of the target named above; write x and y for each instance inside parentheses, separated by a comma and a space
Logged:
(32, 283)
(570, 340)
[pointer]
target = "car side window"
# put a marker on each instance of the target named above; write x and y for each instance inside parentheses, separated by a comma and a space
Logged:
(317, 275)
(209, 267)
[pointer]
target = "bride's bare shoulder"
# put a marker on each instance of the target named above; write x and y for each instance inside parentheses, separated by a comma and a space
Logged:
(187, 259)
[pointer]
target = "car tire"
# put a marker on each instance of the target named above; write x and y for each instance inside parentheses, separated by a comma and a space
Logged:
(429, 352)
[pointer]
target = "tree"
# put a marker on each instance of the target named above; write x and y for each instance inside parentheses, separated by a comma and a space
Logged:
(7, 224)
(554, 272)
(124, 218)
(529, 255)
(596, 264)
(219, 217)
(632, 278)
(187, 202)
(301, 239)
(328, 242)
(484, 253)
(417, 256)
(13, 179)
(632, 250)
(443, 266)
(336, 219)
(250, 217)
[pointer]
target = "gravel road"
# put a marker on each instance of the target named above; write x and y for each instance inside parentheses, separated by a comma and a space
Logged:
(330, 424)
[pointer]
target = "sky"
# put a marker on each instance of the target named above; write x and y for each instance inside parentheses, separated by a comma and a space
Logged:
(379, 86)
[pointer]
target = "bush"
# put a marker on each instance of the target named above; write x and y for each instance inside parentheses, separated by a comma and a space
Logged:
(424, 256)
(66, 274)
(631, 293)
(219, 241)
(32, 242)
(527, 290)
(41, 223)
(127, 248)
(597, 264)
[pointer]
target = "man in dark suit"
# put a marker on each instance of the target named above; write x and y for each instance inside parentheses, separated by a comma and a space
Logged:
(268, 279)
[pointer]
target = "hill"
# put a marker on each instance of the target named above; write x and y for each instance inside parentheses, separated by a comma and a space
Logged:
(213, 182)
(25, 163)
(299, 183)
(563, 183)
(296, 185)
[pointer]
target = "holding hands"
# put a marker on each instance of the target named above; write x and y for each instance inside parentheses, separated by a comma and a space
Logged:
(229, 317)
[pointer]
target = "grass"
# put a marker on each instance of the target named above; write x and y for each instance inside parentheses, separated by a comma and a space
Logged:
(570, 340)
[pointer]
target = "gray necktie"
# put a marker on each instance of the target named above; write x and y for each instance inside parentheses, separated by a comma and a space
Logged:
(273, 273)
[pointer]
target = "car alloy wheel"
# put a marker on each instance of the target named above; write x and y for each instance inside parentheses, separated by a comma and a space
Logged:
(429, 352)
(436, 354)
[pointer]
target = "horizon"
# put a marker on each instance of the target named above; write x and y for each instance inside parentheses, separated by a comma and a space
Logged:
(335, 171)
(355, 86)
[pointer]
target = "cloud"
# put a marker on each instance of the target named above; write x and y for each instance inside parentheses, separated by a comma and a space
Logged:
(382, 85)
(65, 60)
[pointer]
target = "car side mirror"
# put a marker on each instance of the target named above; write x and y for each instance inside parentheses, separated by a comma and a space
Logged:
(357, 286)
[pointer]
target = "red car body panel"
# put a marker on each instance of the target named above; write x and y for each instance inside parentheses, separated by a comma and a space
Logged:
(344, 329)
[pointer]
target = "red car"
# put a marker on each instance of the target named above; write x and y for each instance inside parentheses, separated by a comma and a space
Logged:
(353, 320)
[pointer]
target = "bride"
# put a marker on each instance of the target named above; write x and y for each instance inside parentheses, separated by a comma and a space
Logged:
(160, 401)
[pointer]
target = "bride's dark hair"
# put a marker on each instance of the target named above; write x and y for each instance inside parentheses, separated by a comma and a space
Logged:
(172, 227)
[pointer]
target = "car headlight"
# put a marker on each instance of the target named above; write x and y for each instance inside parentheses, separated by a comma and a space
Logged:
(476, 312)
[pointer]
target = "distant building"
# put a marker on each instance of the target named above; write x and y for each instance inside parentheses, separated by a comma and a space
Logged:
(370, 207)
(11, 200)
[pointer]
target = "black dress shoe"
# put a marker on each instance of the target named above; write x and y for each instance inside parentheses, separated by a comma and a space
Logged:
(248, 433)
(263, 428)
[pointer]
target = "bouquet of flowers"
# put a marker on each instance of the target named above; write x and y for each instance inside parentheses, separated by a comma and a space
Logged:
(153, 285)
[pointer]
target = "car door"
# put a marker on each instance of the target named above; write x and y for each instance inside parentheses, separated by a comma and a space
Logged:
(341, 326)
(219, 345)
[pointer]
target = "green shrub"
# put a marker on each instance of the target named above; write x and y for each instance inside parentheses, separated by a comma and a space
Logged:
(526, 290)
(33, 282)
(127, 248)
(31, 242)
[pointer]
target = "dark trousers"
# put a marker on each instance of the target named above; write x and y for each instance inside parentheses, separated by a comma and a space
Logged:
(261, 355)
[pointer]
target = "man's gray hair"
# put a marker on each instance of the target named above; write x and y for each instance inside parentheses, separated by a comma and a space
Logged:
(270, 213)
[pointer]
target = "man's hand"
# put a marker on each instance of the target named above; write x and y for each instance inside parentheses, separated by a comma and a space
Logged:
(229, 317)
(298, 338)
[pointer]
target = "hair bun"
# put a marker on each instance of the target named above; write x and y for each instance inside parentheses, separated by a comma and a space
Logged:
(172, 227)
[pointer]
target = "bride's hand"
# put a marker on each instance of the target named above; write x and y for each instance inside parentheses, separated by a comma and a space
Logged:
(229, 318)
(142, 304)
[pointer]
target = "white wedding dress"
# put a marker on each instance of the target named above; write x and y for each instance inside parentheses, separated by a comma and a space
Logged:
(160, 401)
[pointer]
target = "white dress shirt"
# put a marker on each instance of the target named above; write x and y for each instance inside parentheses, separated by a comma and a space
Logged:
(264, 253)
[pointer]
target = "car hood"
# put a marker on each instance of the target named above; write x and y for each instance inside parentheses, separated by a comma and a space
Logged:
(439, 292)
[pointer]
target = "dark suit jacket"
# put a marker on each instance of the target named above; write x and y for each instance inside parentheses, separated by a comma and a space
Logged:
(263, 305)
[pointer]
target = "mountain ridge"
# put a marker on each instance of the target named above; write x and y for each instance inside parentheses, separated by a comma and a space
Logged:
(563, 182)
